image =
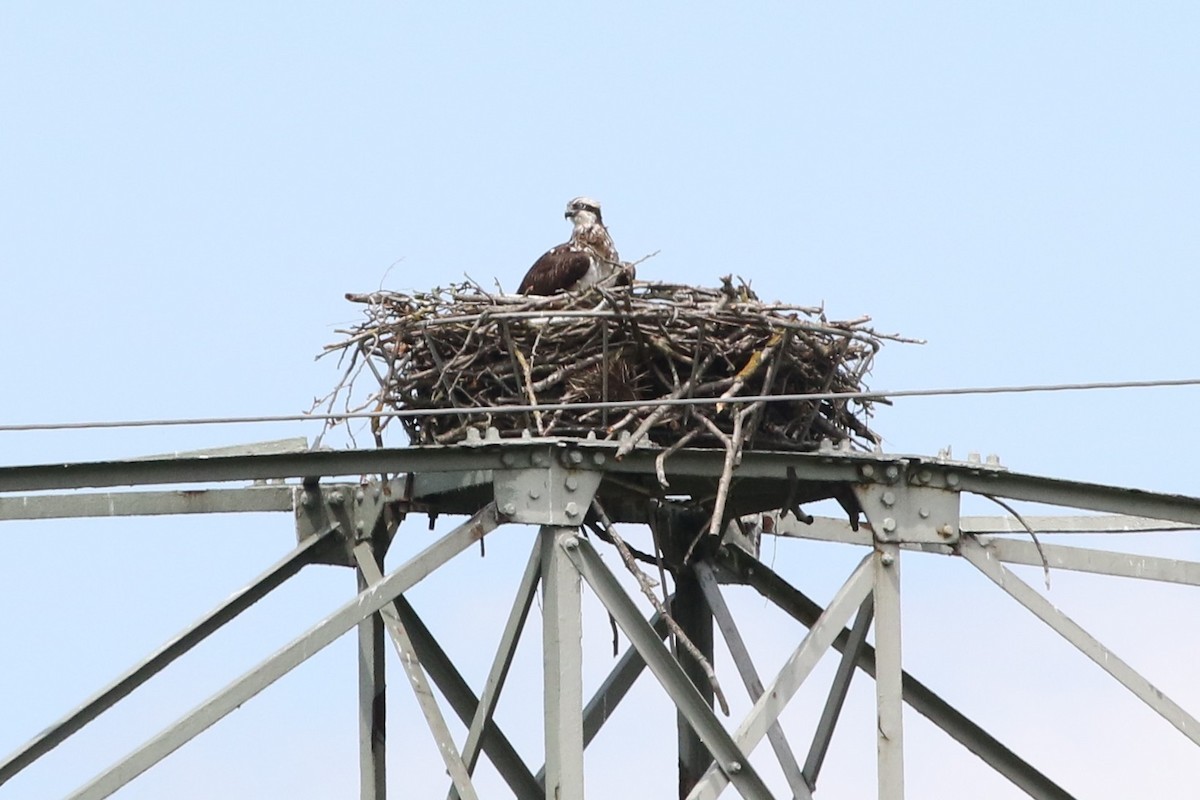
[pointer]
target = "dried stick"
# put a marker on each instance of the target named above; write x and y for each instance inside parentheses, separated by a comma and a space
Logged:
(648, 590)
(660, 411)
(522, 367)
(1029, 530)
(660, 462)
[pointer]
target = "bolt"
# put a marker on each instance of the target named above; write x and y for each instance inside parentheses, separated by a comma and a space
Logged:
(571, 542)
(538, 459)
(952, 480)
(308, 499)
(507, 459)
(572, 483)
(598, 458)
(868, 471)
(575, 457)
(359, 526)
(336, 498)
(734, 767)
(535, 493)
(359, 496)
(509, 509)
(945, 531)
(376, 492)
(893, 472)
(889, 499)
(923, 513)
(889, 524)
(572, 510)
(924, 476)
(887, 559)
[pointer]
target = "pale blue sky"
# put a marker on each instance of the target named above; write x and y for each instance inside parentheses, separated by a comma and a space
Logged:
(187, 190)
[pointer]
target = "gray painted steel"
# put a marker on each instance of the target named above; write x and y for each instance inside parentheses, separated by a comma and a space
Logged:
(837, 692)
(1084, 641)
(745, 666)
(372, 701)
(730, 758)
(503, 660)
(922, 699)
(1100, 562)
(291, 656)
(695, 619)
(464, 702)
(889, 690)
(364, 555)
(247, 499)
(151, 666)
(562, 664)
(795, 670)
(840, 467)
(612, 690)
(911, 502)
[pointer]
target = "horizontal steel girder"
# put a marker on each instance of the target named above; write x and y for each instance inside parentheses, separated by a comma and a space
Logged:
(596, 455)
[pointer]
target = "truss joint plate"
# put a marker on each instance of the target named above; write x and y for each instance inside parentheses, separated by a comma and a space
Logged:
(903, 513)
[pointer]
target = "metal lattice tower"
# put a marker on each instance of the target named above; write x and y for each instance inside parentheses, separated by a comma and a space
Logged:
(910, 503)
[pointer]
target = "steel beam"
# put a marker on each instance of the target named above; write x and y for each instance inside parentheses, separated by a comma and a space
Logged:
(801, 789)
(612, 690)
(292, 655)
(695, 619)
(1090, 496)
(372, 699)
(464, 702)
(507, 647)
(1069, 557)
(1087, 644)
(183, 642)
(922, 699)
(837, 692)
(1100, 562)
(562, 664)
(1064, 523)
(808, 467)
(677, 684)
(247, 499)
(889, 690)
(799, 665)
(364, 555)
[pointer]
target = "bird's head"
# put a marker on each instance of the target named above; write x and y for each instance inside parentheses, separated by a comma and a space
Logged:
(583, 211)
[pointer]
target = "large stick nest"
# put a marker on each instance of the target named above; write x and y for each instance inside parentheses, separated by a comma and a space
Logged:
(466, 349)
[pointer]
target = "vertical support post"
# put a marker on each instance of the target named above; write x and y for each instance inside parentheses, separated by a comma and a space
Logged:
(372, 702)
(691, 611)
(562, 662)
(888, 673)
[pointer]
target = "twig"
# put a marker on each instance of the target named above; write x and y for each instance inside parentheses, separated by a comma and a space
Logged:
(660, 462)
(648, 590)
(1029, 530)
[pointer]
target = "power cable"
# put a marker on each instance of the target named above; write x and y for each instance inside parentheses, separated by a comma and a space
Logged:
(611, 404)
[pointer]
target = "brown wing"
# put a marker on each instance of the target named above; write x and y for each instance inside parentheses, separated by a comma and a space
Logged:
(559, 268)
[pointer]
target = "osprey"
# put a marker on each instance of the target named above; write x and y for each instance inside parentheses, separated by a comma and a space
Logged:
(585, 259)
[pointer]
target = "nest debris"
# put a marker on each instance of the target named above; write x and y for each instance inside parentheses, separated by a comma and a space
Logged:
(466, 351)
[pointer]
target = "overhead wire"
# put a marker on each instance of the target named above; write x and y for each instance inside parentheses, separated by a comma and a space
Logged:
(415, 413)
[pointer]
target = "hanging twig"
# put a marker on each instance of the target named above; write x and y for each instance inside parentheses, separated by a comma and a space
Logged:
(1029, 530)
(647, 588)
